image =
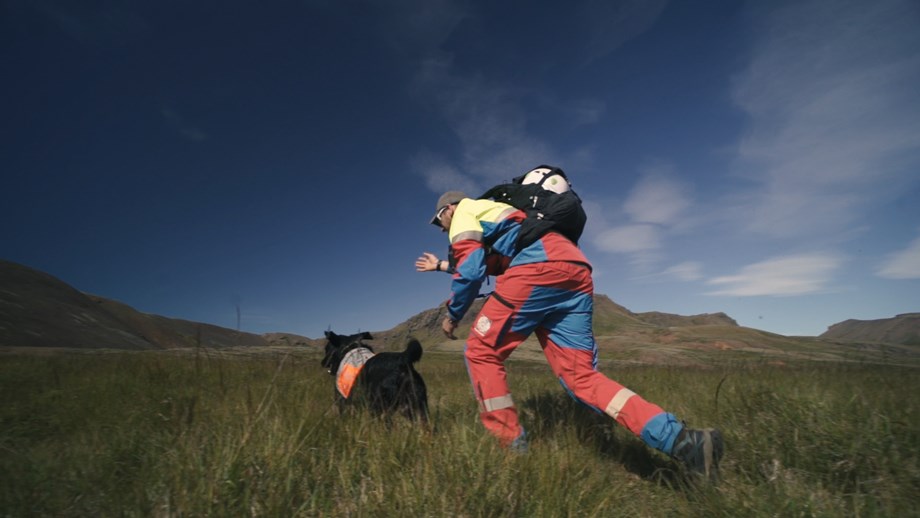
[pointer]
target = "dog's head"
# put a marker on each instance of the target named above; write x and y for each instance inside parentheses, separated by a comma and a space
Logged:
(338, 345)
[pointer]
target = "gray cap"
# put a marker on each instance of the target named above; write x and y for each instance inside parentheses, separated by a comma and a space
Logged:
(448, 198)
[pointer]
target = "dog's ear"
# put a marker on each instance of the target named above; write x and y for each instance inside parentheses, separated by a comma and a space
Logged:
(367, 336)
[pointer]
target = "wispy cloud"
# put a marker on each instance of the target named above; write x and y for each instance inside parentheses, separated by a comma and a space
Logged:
(831, 97)
(488, 119)
(490, 115)
(686, 271)
(780, 276)
(629, 239)
(657, 198)
(440, 176)
(904, 264)
(654, 208)
(486, 116)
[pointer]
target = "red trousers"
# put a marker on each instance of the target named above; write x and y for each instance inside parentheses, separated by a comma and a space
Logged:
(554, 300)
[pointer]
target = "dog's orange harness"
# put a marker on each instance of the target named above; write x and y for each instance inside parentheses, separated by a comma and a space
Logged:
(350, 368)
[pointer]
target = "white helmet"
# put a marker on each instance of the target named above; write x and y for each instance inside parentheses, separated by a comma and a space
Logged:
(547, 179)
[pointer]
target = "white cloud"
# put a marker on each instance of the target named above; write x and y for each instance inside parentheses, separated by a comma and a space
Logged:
(629, 239)
(440, 176)
(488, 119)
(686, 271)
(833, 113)
(656, 199)
(655, 207)
(790, 275)
(904, 264)
(491, 117)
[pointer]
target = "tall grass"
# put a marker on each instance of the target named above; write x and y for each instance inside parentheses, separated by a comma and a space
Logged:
(155, 434)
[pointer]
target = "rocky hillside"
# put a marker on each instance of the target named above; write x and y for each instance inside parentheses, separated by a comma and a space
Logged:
(902, 329)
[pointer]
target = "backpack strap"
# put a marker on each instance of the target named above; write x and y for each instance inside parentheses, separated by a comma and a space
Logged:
(495, 193)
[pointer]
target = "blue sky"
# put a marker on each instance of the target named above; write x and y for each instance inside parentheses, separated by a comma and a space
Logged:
(283, 158)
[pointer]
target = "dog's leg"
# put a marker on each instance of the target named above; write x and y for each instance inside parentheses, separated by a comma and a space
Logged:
(338, 404)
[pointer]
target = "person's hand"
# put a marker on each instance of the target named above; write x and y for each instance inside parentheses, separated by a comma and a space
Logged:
(428, 262)
(449, 326)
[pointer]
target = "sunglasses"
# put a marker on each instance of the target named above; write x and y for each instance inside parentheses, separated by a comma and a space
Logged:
(441, 212)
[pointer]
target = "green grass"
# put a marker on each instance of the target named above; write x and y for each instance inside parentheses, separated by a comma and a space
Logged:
(161, 434)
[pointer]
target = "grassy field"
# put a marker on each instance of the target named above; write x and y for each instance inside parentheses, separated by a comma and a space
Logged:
(220, 434)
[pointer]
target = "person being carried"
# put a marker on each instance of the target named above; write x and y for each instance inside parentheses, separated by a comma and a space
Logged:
(546, 288)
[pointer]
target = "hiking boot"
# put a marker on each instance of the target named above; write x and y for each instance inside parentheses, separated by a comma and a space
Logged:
(699, 451)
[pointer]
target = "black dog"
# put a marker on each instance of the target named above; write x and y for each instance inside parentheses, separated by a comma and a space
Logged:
(385, 382)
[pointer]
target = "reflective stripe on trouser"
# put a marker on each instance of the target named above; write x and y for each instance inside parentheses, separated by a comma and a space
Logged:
(487, 348)
(555, 301)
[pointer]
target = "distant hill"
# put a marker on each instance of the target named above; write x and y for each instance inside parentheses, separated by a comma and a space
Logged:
(653, 337)
(669, 320)
(609, 317)
(426, 326)
(609, 314)
(902, 329)
(39, 310)
(291, 340)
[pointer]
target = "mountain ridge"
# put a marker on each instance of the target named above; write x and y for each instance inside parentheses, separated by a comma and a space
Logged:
(901, 329)
(39, 310)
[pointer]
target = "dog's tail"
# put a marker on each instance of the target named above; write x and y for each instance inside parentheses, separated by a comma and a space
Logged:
(413, 352)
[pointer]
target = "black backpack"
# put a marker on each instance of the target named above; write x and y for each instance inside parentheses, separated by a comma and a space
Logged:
(546, 210)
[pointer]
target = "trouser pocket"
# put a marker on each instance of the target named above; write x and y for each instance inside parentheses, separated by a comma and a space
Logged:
(493, 321)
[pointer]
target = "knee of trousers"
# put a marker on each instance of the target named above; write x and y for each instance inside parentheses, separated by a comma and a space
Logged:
(594, 389)
(503, 424)
(490, 349)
